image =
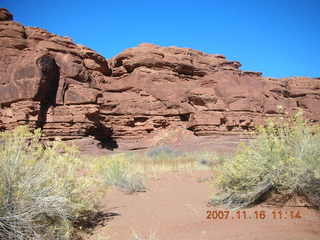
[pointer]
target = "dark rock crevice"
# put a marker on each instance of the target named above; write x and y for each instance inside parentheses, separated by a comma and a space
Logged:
(185, 117)
(101, 133)
(48, 86)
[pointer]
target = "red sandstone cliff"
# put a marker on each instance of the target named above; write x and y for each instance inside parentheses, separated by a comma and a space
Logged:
(71, 91)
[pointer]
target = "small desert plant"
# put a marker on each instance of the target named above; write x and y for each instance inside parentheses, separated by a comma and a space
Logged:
(177, 160)
(161, 152)
(165, 158)
(41, 192)
(285, 158)
(208, 159)
(118, 171)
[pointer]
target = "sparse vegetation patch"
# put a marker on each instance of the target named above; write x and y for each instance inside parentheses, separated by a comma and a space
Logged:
(42, 191)
(117, 170)
(284, 158)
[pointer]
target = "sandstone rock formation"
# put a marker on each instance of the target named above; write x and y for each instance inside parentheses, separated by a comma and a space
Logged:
(70, 91)
(5, 15)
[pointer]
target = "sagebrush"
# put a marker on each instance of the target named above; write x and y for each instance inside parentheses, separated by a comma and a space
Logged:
(284, 157)
(42, 190)
(117, 170)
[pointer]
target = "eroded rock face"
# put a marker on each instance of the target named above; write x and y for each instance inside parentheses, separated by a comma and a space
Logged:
(5, 15)
(71, 91)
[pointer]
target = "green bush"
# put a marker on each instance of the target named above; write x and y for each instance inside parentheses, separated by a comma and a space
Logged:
(42, 190)
(284, 157)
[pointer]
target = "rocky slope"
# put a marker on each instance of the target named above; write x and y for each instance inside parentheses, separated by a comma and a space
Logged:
(70, 91)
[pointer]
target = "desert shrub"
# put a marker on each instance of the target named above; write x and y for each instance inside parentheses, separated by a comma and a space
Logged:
(208, 159)
(42, 191)
(165, 158)
(284, 157)
(161, 152)
(118, 171)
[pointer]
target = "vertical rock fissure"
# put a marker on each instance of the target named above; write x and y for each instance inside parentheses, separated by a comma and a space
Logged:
(101, 133)
(48, 87)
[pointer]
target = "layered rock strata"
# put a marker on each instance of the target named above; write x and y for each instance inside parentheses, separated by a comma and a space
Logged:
(70, 91)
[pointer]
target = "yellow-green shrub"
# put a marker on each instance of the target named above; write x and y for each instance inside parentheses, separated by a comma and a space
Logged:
(284, 157)
(42, 190)
(117, 170)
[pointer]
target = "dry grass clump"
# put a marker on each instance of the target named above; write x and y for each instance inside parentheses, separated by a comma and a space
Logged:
(128, 171)
(284, 158)
(165, 158)
(41, 190)
(117, 170)
(162, 158)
